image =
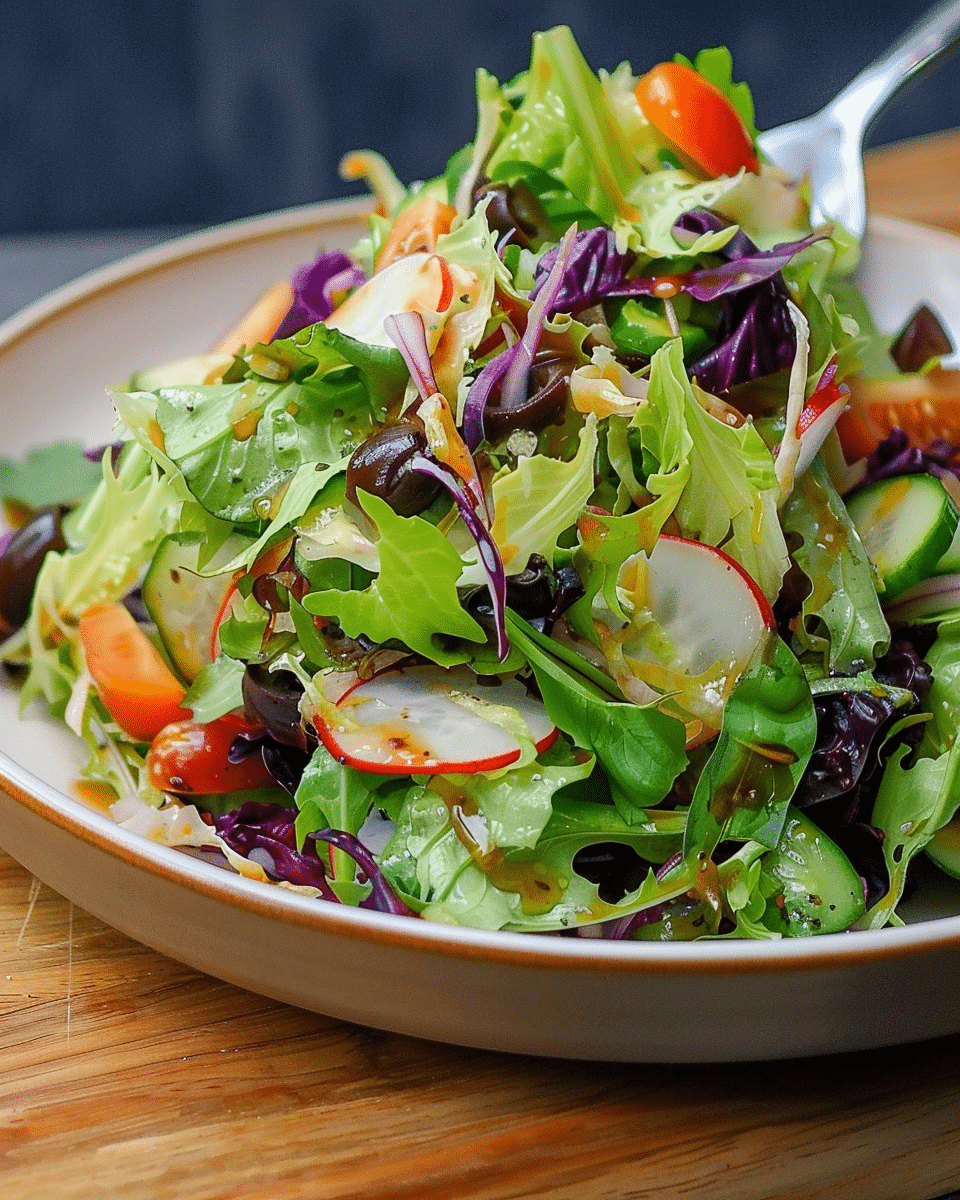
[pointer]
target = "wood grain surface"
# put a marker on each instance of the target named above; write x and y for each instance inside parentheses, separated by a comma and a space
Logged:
(124, 1074)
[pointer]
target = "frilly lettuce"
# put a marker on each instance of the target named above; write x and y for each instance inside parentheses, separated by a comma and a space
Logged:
(717, 480)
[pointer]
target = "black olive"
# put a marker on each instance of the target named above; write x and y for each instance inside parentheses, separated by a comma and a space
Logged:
(514, 209)
(21, 561)
(272, 699)
(922, 338)
(383, 466)
(548, 393)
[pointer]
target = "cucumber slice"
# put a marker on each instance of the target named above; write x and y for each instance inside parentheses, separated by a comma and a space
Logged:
(184, 604)
(815, 888)
(944, 848)
(642, 328)
(907, 525)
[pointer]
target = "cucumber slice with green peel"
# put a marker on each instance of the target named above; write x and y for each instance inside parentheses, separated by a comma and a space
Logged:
(814, 887)
(182, 603)
(944, 848)
(642, 328)
(907, 525)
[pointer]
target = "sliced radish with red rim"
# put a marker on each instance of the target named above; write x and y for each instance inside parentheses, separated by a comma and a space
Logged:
(408, 721)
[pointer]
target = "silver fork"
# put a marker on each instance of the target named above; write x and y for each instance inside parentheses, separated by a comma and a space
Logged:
(828, 146)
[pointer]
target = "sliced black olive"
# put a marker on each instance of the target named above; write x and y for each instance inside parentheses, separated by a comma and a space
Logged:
(922, 338)
(272, 699)
(548, 393)
(383, 466)
(513, 209)
(21, 561)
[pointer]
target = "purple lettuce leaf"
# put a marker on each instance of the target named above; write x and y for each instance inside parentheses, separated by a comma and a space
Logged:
(313, 288)
(266, 834)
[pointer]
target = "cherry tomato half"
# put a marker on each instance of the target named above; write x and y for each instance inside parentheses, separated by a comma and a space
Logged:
(697, 117)
(190, 758)
(926, 407)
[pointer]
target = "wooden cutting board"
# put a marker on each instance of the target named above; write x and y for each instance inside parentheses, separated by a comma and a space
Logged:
(124, 1074)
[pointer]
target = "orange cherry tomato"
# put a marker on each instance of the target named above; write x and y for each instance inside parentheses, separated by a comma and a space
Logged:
(190, 758)
(697, 117)
(136, 686)
(416, 228)
(926, 407)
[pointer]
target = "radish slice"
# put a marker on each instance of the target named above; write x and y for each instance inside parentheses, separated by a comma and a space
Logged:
(698, 622)
(407, 722)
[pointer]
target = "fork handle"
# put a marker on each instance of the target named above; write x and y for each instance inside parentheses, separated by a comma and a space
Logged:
(924, 43)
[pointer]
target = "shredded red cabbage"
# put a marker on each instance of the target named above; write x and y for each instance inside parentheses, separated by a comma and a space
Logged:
(594, 269)
(266, 834)
(313, 288)
(382, 897)
(511, 369)
(896, 455)
(756, 336)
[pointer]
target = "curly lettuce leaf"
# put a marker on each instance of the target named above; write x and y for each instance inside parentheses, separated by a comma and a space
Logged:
(536, 502)
(717, 480)
(121, 524)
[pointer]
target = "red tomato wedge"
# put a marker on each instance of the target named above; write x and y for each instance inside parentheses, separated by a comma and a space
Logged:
(136, 686)
(190, 758)
(404, 722)
(926, 407)
(697, 117)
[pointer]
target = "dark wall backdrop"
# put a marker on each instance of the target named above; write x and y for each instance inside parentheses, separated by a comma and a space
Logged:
(122, 114)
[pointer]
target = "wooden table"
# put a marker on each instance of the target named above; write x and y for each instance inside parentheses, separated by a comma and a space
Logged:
(124, 1074)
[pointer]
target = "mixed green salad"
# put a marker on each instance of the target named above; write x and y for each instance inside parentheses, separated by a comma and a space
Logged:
(571, 556)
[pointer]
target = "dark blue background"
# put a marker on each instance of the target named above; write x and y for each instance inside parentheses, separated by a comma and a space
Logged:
(126, 114)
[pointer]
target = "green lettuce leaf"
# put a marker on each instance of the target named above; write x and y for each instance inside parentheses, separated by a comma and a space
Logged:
(414, 598)
(564, 126)
(766, 739)
(913, 802)
(59, 473)
(641, 749)
(718, 481)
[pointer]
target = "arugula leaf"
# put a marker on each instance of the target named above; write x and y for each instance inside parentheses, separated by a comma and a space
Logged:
(766, 739)
(912, 804)
(59, 473)
(641, 749)
(841, 618)
(414, 598)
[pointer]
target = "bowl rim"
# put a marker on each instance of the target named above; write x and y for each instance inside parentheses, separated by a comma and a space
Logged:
(529, 950)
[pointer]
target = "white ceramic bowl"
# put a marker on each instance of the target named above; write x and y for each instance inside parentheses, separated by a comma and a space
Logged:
(640, 1001)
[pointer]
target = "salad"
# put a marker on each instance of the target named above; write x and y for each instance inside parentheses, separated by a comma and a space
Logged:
(571, 556)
